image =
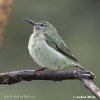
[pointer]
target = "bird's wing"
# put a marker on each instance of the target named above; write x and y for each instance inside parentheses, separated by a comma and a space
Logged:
(55, 41)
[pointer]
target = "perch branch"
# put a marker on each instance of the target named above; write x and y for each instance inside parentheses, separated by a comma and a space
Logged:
(27, 75)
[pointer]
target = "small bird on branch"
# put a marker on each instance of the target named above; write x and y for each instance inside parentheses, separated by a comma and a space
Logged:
(48, 49)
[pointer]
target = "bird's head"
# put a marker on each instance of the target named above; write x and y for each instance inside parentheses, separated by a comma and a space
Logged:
(41, 26)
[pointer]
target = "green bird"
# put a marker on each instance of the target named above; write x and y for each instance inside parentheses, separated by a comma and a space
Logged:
(48, 49)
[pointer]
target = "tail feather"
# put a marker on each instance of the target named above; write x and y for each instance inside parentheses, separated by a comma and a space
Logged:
(77, 65)
(80, 67)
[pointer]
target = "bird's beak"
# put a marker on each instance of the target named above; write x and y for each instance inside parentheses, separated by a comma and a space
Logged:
(30, 21)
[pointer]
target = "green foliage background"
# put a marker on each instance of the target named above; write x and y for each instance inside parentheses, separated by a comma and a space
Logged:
(78, 23)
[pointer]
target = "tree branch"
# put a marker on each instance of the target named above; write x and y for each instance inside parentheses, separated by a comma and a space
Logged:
(27, 75)
(92, 87)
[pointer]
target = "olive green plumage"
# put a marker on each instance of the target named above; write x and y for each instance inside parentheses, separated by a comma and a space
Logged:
(48, 49)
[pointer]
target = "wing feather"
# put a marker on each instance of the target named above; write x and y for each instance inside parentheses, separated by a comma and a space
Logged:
(55, 41)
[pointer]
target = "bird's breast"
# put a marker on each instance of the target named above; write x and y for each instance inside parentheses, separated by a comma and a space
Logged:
(35, 42)
(45, 55)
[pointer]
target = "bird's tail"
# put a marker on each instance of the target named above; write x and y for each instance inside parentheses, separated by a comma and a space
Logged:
(77, 65)
(80, 67)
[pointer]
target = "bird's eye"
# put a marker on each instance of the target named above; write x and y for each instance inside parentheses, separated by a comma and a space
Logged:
(42, 25)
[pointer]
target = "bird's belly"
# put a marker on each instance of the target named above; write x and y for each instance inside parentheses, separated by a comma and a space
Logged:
(46, 56)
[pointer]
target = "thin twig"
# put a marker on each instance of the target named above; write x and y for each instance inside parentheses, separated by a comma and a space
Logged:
(92, 87)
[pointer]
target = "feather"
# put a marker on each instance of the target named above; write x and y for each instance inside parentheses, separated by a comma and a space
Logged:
(55, 41)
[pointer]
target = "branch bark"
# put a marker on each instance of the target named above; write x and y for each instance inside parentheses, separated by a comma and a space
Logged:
(92, 87)
(27, 75)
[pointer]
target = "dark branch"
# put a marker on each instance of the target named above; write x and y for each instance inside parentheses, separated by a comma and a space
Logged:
(28, 75)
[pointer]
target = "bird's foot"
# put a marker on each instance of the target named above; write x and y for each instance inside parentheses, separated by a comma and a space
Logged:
(55, 69)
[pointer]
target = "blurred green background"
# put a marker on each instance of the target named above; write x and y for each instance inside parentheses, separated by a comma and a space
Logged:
(78, 23)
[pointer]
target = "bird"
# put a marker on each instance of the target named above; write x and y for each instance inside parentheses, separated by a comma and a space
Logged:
(48, 49)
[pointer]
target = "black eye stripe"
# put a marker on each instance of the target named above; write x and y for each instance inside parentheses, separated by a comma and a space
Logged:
(42, 25)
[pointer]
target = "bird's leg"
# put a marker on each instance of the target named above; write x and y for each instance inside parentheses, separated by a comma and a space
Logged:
(57, 69)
